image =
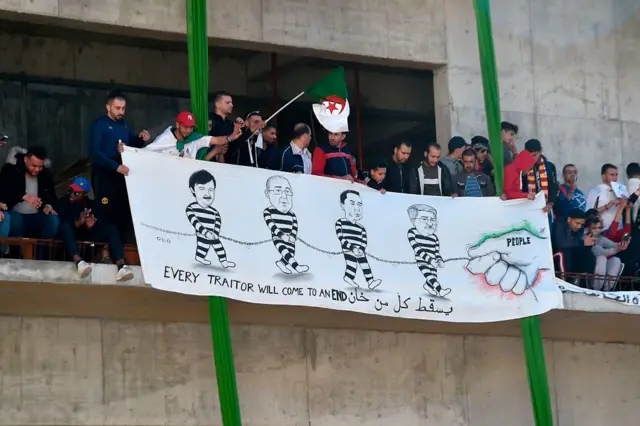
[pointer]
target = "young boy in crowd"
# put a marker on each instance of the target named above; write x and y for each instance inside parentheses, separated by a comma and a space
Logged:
(377, 174)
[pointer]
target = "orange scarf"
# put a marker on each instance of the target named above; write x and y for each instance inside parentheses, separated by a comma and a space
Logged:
(538, 179)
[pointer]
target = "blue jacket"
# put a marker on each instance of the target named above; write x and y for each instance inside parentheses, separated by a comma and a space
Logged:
(292, 162)
(103, 141)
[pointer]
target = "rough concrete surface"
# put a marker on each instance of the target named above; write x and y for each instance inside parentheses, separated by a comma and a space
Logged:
(102, 372)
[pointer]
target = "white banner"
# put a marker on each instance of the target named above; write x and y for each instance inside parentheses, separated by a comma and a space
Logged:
(291, 239)
(631, 298)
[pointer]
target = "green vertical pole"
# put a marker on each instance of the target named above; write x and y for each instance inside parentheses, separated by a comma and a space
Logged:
(198, 50)
(531, 336)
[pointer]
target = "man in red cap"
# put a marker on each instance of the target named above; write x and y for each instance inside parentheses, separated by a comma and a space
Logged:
(181, 140)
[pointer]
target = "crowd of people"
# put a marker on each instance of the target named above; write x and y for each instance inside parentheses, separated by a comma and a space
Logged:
(594, 233)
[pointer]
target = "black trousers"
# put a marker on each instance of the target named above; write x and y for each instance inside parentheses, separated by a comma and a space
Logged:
(580, 261)
(112, 202)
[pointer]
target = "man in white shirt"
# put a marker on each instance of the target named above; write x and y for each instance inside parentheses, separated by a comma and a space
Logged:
(183, 141)
(633, 176)
(603, 198)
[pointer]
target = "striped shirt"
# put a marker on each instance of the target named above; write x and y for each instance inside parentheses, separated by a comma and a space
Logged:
(281, 223)
(425, 247)
(204, 219)
(351, 235)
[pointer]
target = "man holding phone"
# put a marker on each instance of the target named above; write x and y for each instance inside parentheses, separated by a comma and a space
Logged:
(78, 221)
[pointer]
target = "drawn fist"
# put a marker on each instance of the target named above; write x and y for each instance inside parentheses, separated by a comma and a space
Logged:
(439, 263)
(510, 260)
(358, 252)
(209, 235)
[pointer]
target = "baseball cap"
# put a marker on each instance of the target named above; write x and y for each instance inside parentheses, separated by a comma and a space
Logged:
(185, 118)
(480, 142)
(80, 184)
(456, 142)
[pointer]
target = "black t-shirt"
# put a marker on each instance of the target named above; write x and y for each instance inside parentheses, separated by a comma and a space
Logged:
(221, 126)
(375, 185)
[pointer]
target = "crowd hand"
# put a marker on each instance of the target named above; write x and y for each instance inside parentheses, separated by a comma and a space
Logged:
(123, 170)
(383, 191)
(454, 195)
(121, 147)
(358, 252)
(90, 221)
(237, 130)
(532, 196)
(49, 210)
(3, 206)
(34, 201)
(623, 245)
(1, 215)
(503, 197)
(547, 208)
(145, 135)
(589, 240)
(514, 271)
(348, 177)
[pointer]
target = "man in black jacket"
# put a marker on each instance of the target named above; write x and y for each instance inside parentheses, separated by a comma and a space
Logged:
(26, 187)
(398, 173)
(432, 177)
(567, 237)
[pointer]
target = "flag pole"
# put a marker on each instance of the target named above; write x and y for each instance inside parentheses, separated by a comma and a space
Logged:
(531, 335)
(198, 53)
(299, 95)
(273, 115)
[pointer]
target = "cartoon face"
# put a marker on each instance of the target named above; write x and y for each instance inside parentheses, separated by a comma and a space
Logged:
(205, 193)
(280, 195)
(352, 207)
(425, 223)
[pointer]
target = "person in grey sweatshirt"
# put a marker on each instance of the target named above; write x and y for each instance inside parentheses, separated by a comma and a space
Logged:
(456, 146)
(607, 263)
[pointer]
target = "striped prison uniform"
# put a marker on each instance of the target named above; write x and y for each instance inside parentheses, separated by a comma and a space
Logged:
(427, 252)
(353, 235)
(204, 219)
(280, 224)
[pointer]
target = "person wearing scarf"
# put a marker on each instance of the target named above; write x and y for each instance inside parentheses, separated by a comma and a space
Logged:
(542, 177)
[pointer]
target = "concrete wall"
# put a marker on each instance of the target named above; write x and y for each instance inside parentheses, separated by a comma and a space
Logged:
(98, 372)
(568, 76)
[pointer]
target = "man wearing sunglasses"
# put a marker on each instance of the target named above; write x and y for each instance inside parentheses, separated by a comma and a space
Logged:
(79, 222)
(485, 163)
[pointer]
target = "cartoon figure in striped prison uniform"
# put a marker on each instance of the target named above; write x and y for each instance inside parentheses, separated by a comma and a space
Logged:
(205, 219)
(283, 223)
(426, 246)
(353, 239)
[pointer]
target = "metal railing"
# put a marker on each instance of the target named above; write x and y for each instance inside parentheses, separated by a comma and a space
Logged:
(39, 249)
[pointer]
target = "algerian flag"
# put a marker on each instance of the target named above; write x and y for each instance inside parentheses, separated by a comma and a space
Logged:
(331, 106)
